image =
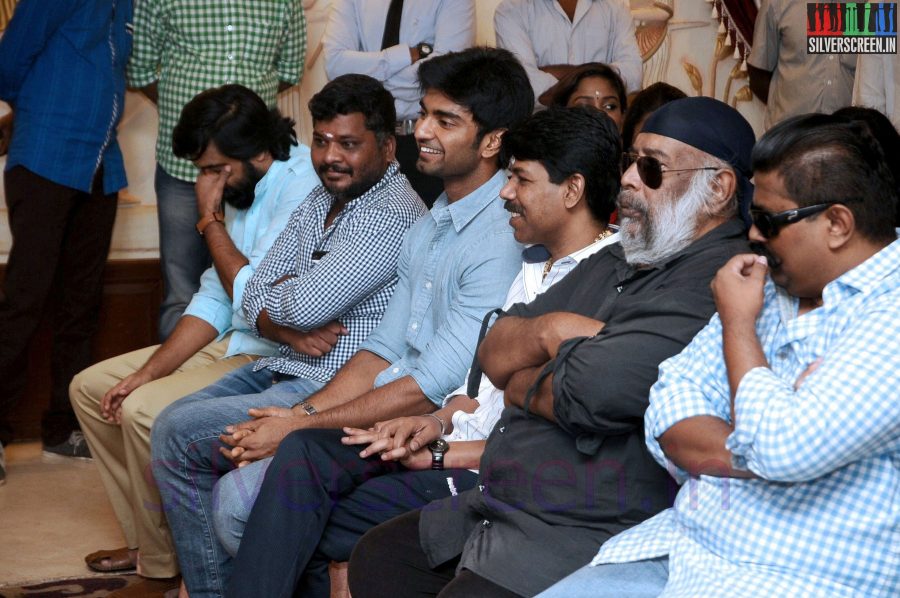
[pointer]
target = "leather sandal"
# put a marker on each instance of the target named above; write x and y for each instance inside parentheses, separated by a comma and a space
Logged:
(108, 561)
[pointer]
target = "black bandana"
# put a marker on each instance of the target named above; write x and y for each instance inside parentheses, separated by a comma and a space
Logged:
(713, 127)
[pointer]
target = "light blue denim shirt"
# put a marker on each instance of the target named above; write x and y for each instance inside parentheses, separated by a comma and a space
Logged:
(456, 265)
(285, 185)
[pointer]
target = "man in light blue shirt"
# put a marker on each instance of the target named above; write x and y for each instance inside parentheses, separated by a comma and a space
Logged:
(249, 159)
(781, 418)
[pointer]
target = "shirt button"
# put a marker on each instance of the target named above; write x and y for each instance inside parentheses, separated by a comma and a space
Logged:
(428, 285)
(414, 326)
(829, 82)
(486, 523)
(831, 57)
(231, 57)
(396, 370)
(229, 27)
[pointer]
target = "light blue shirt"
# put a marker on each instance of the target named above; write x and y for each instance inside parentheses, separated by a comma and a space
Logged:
(456, 265)
(253, 231)
(824, 518)
(352, 42)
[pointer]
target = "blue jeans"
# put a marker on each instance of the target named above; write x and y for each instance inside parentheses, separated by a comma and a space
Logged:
(183, 256)
(186, 464)
(638, 579)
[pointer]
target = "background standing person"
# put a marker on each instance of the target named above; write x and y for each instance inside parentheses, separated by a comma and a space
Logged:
(388, 40)
(62, 69)
(180, 49)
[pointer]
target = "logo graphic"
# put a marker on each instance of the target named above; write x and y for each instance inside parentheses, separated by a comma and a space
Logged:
(851, 27)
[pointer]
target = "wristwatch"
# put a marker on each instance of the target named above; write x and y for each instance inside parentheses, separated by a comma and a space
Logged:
(425, 49)
(438, 448)
(307, 407)
(207, 220)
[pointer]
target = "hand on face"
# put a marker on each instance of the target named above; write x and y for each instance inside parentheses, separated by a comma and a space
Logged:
(209, 189)
(738, 289)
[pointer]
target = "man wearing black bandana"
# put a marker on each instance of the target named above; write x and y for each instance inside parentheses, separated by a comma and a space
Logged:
(565, 467)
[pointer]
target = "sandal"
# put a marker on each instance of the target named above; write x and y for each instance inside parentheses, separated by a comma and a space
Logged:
(108, 561)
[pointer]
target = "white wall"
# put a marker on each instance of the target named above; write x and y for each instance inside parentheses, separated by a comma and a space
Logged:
(691, 41)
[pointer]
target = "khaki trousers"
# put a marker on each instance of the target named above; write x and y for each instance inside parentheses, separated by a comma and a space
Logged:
(122, 452)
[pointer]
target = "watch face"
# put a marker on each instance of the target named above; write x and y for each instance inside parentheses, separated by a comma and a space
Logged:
(439, 446)
(425, 49)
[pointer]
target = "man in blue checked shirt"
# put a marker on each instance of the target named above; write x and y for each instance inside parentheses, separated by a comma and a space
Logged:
(253, 174)
(455, 265)
(781, 418)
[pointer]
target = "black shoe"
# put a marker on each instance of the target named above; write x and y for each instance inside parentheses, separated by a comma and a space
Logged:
(75, 447)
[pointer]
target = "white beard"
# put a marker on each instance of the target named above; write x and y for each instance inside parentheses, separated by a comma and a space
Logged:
(666, 227)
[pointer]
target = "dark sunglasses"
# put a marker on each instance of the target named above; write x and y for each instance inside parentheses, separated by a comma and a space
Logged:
(769, 225)
(651, 170)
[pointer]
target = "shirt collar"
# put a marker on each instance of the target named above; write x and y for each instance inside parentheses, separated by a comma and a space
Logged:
(276, 170)
(869, 274)
(464, 210)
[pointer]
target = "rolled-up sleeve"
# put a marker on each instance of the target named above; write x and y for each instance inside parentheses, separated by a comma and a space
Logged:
(293, 50)
(211, 303)
(764, 53)
(146, 53)
(342, 46)
(601, 383)
(844, 411)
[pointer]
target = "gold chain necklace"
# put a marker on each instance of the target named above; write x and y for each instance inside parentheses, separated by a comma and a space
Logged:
(549, 263)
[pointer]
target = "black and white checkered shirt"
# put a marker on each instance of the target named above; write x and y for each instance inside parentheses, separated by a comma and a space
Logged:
(346, 272)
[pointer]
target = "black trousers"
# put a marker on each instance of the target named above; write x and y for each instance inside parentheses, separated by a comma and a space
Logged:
(317, 499)
(389, 561)
(61, 240)
(428, 187)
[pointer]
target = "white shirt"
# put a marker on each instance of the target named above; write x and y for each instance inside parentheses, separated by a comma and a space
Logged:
(352, 42)
(540, 33)
(529, 283)
(878, 84)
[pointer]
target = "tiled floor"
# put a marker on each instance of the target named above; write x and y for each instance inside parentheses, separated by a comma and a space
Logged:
(51, 515)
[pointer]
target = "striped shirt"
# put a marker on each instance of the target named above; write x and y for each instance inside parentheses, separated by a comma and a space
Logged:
(344, 272)
(191, 46)
(824, 519)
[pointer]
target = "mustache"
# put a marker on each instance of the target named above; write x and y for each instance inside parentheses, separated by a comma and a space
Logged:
(628, 201)
(326, 168)
(513, 208)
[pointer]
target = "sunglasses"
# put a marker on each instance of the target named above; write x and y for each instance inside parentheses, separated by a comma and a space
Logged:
(651, 170)
(769, 225)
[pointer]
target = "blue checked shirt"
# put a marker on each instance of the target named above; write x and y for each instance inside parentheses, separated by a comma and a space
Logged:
(825, 518)
(352, 282)
(456, 265)
(62, 69)
(253, 231)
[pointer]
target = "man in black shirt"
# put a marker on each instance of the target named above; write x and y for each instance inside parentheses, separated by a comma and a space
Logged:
(565, 468)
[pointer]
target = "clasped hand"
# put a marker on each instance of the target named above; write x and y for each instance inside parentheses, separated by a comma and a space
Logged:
(403, 439)
(259, 437)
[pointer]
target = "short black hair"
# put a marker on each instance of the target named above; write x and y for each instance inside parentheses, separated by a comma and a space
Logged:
(642, 104)
(823, 158)
(357, 93)
(566, 86)
(237, 121)
(567, 141)
(490, 82)
(881, 127)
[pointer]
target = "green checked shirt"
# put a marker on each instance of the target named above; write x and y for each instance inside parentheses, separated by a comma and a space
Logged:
(188, 46)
